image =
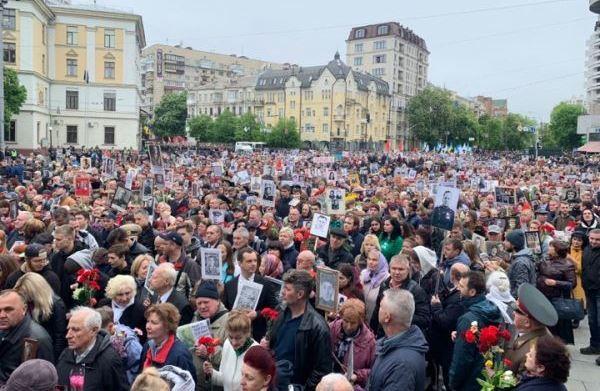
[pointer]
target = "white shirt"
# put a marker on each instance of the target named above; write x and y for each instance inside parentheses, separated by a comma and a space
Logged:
(242, 278)
(163, 298)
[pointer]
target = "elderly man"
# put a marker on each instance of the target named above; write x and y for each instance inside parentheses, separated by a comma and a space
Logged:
(335, 253)
(16, 235)
(213, 237)
(306, 261)
(90, 350)
(162, 283)
(36, 261)
(289, 256)
(334, 382)
(18, 330)
(241, 239)
(400, 360)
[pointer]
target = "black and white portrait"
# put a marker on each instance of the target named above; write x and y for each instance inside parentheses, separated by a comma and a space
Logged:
(211, 263)
(320, 225)
(532, 240)
(86, 163)
(446, 200)
(335, 201)
(267, 193)
(217, 170)
(216, 216)
(154, 154)
(506, 195)
(147, 187)
(121, 199)
(248, 294)
(327, 289)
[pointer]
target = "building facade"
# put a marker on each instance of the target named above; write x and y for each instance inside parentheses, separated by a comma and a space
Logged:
(398, 56)
(167, 69)
(333, 105)
(235, 94)
(80, 66)
(588, 125)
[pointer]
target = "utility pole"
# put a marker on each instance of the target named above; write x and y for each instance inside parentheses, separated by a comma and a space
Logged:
(2, 143)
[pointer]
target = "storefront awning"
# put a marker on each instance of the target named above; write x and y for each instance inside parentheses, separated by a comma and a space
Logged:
(591, 147)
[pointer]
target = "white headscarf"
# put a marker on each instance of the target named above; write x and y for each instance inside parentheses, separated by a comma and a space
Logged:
(498, 286)
(427, 258)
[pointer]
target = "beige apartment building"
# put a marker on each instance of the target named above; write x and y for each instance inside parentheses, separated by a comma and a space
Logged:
(80, 66)
(167, 69)
(398, 56)
(235, 94)
(332, 104)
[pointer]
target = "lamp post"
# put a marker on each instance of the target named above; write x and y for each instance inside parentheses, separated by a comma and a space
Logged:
(2, 143)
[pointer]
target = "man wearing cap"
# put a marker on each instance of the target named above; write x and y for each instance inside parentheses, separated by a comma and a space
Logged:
(135, 248)
(522, 266)
(209, 307)
(16, 326)
(494, 233)
(36, 261)
(32, 375)
(188, 272)
(335, 253)
(590, 278)
(534, 313)
(256, 243)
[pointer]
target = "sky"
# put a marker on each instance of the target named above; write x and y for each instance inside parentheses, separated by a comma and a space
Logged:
(531, 52)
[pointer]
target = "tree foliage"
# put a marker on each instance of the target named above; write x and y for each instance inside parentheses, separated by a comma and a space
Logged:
(201, 127)
(563, 125)
(14, 94)
(284, 135)
(226, 128)
(170, 116)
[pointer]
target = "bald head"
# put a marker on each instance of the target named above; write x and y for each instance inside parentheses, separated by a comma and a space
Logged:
(334, 382)
(305, 260)
(456, 272)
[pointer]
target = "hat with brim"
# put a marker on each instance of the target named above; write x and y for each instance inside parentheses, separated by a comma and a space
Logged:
(536, 305)
(338, 232)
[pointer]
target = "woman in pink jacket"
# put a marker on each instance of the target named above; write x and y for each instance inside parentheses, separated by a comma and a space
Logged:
(350, 331)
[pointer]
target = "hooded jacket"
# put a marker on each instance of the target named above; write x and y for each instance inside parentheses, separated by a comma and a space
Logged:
(50, 277)
(467, 362)
(180, 380)
(521, 269)
(103, 366)
(400, 362)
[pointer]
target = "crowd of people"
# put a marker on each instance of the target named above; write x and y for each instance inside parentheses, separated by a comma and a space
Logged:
(103, 264)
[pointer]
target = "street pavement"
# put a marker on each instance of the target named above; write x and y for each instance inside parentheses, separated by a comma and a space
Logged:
(585, 374)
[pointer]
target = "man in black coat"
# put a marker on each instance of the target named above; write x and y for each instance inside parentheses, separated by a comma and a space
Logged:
(335, 253)
(162, 283)
(64, 246)
(400, 279)
(590, 278)
(36, 261)
(147, 236)
(15, 327)
(91, 350)
(248, 261)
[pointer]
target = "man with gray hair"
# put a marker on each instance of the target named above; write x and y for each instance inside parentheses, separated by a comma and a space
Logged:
(241, 239)
(162, 283)
(334, 382)
(400, 358)
(90, 348)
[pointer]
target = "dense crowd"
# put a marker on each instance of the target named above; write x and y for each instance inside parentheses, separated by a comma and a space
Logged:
(197, 269)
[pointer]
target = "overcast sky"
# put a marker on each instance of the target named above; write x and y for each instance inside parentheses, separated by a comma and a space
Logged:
(531, 52)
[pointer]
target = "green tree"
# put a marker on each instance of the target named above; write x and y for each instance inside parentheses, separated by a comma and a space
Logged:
(463, 125)
(201, 127)
(513, 137)
(248, 129)
(14, 94)
(563, 125)
(170, 115)
(430, 115)
(224, 127)
(284, 135)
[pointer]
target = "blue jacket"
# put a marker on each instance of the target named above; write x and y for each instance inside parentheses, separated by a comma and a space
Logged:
(400, 362)
(467, 362)
(539, 384)
(460, 258)
(178, 356)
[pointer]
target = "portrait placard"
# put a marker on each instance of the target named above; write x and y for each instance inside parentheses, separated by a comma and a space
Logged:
(446, 201)
(211, 263)
(320, 225)
(121, 199)
(267, 193)
(248, 295)
(190, 333)
(533, 242)
(327, 289)
(336, 204)
(216, 216)
(506, 195)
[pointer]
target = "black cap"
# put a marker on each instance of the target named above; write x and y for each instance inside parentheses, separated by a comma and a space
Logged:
(340, 233)
(536, 305)
(35, 250)
(173, 237)
(207, 289)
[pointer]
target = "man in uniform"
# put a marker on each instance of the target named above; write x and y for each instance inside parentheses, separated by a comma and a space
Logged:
(443, 215)
(534, 313)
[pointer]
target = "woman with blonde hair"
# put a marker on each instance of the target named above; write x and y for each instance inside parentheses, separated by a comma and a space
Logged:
(139, 271)
(150, 380)
(3, 249)
(45, 307)
(369, 243)
(376, 272)
(120, 296)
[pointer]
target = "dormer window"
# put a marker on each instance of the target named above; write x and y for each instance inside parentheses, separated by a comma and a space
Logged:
(383, 29)
(360, 33)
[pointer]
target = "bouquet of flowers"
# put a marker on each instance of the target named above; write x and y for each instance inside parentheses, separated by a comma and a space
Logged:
(87, 286)
(270, 315)
(489, 340)
(302, 236)
(210, 343)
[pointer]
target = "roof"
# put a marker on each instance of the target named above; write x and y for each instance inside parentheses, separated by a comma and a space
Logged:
(276, 79)
(590, 147)
(394, 28)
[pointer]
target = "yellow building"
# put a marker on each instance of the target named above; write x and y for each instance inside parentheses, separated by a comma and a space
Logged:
(331, 104)
(80, 65)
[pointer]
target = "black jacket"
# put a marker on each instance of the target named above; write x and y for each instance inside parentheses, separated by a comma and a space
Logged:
(267, 299)
(590, 274)
(444, 318)
(181, 302)
(147, 237)
(134, 251)
(103, 367)
(313, 348)
(333, 260)
(133, 316)
(50, 277)
(289, 257)
(65, 270)
(11, 346)
(56, 326)
(422, 315)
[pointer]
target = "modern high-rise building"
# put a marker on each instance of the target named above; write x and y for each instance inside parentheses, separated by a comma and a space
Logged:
(400, 57)
(80, 66)
(167, 69)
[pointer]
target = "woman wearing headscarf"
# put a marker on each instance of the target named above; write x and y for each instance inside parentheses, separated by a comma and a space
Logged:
(372, 277)
(588, 221)
(271, 266)
(498, 287)
(424, 271)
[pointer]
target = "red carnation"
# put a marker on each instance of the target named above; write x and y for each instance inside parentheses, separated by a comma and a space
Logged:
(488, 338)
(469, 336)
(507, 362)
(210, 343)
(178, 265)
(505, 335)
(269, 313)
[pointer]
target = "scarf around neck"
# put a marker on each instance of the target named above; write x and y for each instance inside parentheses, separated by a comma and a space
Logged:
(162, 352)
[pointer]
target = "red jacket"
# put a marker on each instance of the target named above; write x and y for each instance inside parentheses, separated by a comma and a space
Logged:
(364, 350)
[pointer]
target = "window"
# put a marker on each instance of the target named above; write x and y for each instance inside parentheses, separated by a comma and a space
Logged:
(308, 112)
(325, 128)
(109, 38)
(382, 30)
(43, 63)
(358, 47)
(109, 135)
(292, 104)
(378, 71)
(10, 132)
(358, 61)
(378, 45)
(325, 111)
(109, 70)
(360, 33)
(380, 59)
(71, 35)
(72, 100)
(71, 67)
(110, 101)
(71, 134)
(9, 19)
(10, 53)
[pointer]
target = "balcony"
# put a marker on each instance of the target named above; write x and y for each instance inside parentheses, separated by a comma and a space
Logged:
(338, 117)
